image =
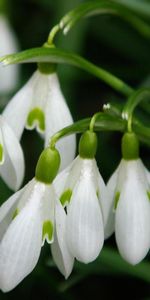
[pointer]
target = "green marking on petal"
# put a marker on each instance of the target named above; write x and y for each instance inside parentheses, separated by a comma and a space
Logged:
(97, 193)
(47, 232)
(65, 197)
(16, 212)
(36, 116)
(116, 199)
(1, 153)
(148, 194)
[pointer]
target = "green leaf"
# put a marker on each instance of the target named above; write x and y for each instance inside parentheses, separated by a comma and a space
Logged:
(55, 55)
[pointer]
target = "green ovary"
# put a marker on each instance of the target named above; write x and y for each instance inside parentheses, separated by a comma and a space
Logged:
(116, 199)
(47, 230)
(36, 115)
(1, 153)
(65, 197)
(148, 194)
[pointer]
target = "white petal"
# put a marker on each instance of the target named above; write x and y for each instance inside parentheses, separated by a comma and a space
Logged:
(12, 171)
(85, 233)
(111, 190)
(60, 180)
(8, 75)
(17, 110)
(57, 116)
(132, 226)
(21, 245)
(7, 211)
(60, 252)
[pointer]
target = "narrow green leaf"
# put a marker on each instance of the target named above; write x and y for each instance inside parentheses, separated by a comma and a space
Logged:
(55, 55)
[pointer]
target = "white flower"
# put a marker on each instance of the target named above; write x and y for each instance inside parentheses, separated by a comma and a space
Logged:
(11, 157)
(82, 190)
(27, 219)
(8, 75)
(129, 188)
(41, 105)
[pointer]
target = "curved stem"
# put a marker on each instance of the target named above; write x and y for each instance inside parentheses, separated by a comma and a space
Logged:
(103, 122)
(52, 34)
(132, 103)
(93, 120)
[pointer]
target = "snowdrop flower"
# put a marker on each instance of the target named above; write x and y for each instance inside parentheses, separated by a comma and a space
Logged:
(82, 190)
(11, 157)
(129, 189)
(41, 105)
(27, 219)
(8, 75)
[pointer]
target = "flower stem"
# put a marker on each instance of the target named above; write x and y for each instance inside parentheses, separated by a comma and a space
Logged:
(52, 34)
(132, 103)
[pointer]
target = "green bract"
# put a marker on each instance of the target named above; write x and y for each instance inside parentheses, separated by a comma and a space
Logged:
(130, 146)
(88, 145)
(47, 165)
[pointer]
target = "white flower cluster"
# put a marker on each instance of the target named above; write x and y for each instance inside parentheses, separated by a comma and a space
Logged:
(76, 211)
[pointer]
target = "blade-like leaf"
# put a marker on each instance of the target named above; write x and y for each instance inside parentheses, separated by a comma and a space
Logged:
(55, 55)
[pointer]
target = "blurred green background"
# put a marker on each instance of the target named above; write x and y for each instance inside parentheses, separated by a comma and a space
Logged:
(114, 45)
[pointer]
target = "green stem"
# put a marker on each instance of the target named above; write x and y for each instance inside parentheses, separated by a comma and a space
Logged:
(104, 122)
(131, 104)
(93, 120)
(105, 7)
(52, 34)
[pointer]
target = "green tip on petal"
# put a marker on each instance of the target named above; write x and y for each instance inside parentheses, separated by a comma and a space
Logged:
(88, 145)
(130, 146)
(47, 231)
(116, 200)
(47, 68)
(148, 194)
(65, 197)
(16, 212)
(36, 116)
(1, 154)
(47, 165)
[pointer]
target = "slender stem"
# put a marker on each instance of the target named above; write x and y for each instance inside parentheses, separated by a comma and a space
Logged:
(93, 120)
(52, 34)
(131, 104)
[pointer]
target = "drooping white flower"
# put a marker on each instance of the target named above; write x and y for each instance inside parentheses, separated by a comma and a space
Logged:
(129, 189)
(8, 75)
(82, 190)
(11, 157)
(41, 105)
(27, 219)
